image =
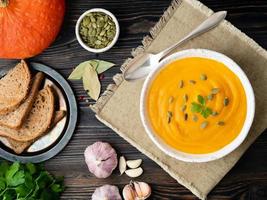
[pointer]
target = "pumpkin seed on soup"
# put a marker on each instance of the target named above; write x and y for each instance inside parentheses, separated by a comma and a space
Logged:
(221, 123)
(192, 82)
(183, 108)
(195, 118)
(226, 101)
(181, 84)
(97, 30)
(214, 113)
(185, 116)
(185, 97)
(171, 99)
(215, 90)
(203, 77)
(210, 97)
(204, 124)
(169, 116)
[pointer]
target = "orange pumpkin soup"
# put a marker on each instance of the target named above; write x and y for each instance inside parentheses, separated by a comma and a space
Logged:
(196, 105)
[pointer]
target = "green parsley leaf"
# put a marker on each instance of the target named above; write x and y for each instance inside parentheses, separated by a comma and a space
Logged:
(206, 112)
(3, 168)
(22, 190)
(195, 107)
(2, 184)
(8, 195)
(17, 179)
(201, 100)
(28, 182)
(14, 176)
(201, 107)
(44, 179)
(31, 168)
(57, 188)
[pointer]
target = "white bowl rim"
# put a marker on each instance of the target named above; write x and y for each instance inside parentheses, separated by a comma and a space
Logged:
(187, 157)
(115, 39)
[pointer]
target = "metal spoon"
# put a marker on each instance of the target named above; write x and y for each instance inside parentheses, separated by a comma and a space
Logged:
(143, 64)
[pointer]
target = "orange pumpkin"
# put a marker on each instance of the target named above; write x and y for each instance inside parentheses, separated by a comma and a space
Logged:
(27, 27)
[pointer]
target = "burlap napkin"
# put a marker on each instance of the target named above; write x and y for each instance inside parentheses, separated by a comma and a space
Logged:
(118, 108)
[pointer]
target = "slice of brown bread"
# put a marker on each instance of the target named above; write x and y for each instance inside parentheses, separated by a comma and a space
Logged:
(14, 87)
(15, 118)
(38, 120)
(19, 147)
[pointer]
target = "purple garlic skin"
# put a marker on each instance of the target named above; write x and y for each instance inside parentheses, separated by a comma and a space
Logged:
(101, 159)
(106, 192)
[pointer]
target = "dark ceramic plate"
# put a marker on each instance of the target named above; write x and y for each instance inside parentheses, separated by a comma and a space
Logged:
(52, 143)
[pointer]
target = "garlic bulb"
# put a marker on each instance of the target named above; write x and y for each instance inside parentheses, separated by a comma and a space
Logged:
(128, 192)
(106, 192)
(101, 159)
(136, 191)
(142, 189)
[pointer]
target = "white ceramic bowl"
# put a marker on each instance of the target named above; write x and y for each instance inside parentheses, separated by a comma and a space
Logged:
(85, 46)
(199, 157)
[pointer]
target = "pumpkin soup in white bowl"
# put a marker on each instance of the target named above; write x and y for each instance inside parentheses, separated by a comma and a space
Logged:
(197, 105)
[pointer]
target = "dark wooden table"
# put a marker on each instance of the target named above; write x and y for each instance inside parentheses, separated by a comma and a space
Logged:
(247, 180)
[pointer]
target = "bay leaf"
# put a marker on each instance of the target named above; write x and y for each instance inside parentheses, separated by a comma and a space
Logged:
(77, 73)
(99, 65)
(94, 63)
(91, 82)
(103, 66)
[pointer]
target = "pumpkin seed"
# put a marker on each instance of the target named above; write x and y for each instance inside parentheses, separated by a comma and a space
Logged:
(210, 97)
(195, 118)
(214, 113)
(192, 82)
(169, 116)
(185, 97)
(171, 99)
(226, 101)
(181, 84)
(97, 42)
(106, 18)
(94, 25)
(221, 123)
(183, 108)
(204, 124)
(103, 32)
(215, 90)
(92, 19)
(203, 77)
(185, 116)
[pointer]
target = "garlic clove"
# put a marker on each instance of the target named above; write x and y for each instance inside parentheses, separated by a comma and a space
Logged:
(142, 189)
(106, 192)
(128, 193)
(101, 159)
(133, 173)
(134, 163)
(122, 165)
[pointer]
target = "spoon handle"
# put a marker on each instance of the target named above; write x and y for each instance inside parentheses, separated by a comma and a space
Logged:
(205, 26)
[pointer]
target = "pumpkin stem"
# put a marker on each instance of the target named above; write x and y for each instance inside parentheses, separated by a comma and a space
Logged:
(4, 3)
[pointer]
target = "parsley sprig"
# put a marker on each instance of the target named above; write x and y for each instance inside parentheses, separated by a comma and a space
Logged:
(28, 182)
(201, 107)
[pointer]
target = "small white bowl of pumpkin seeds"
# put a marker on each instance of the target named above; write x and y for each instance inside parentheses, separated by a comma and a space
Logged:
(97, 30)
